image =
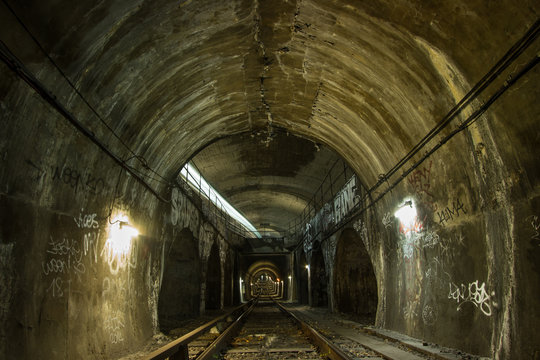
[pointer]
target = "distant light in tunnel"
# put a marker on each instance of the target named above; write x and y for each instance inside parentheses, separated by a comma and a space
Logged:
(120, 236)
(406, 213)
(196, 180)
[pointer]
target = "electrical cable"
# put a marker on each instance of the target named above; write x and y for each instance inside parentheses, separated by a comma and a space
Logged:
(92, 109)
(468, 122)
(18, 68)
(141, 159)
(508, 58)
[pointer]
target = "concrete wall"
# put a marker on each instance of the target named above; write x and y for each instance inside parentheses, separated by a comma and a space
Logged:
(66, 292)
(463, 272)
(180, 289)
(354, 281)
(69, 294)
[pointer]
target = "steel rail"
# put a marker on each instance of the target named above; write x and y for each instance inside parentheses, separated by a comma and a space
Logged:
(178, 349)
(324, 345)
(225, 337)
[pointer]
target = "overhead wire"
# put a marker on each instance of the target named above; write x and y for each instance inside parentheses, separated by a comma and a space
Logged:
(507, 59)
(70, 83)
(7, 55)
(18, 67)
(510, 56)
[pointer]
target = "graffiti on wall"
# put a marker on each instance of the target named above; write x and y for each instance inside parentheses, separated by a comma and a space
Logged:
(345, 200)
(409, 310)
(413, 227)
(451, 212)
(332, 213)
(473, 293)
(361, 229)
(429, 315)
(420, 180)
(206, 240)
(183, 213)
(68, 258)
(535, 224)
(68, 175)
(89, 225)
(114, 325)
(62, 265)
(120, 251)
(388, 220)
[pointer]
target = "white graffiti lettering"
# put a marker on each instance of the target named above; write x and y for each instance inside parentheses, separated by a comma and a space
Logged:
(90, 244)
(58, 287)
(67, 259)
(361, 229)
(87, 221)
(388, 220)
(535, 223)
(345, 200)
(471, 293)
(118, 260)
(114, 325)
(431, 239)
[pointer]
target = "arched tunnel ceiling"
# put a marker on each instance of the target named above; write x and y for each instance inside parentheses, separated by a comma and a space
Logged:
(269, 181)
(364, 78)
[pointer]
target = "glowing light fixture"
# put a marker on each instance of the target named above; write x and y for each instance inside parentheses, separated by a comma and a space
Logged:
(120, 235)
(196, 180)
(406, 213)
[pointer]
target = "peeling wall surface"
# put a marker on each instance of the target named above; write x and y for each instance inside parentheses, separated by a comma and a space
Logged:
(103, 102)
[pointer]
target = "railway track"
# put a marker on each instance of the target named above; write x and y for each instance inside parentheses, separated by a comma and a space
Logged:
(266, 330)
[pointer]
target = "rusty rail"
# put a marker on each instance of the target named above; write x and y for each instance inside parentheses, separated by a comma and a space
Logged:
(223, 340)
(324, 345)
(178, 349)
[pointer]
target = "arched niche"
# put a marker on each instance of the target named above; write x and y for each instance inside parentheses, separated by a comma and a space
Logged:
(319, 280)
(229, 278)
(213, 279)
(355, 285)
(179, 294)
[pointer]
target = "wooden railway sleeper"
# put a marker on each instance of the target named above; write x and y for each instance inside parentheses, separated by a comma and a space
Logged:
(324, 345)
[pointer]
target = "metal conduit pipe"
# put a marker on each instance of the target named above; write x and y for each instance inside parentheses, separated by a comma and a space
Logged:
(469, 121)
(15, 65)
(511, 55)
(503, 63)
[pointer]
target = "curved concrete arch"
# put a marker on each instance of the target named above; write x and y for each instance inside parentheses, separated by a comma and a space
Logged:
(300, 83)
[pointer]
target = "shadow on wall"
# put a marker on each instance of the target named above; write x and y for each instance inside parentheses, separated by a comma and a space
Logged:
(355, 285)
(319, 283)
(179, 296)
(229, 276)
(213, 279)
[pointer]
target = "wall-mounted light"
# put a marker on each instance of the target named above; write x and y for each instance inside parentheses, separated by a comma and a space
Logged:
(120, 235)
(307, 267)
(406, 213)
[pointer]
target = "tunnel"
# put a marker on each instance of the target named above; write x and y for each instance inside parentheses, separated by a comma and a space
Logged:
(384, 152)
